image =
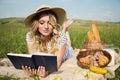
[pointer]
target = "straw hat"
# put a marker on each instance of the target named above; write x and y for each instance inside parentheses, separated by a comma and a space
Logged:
(60, 14)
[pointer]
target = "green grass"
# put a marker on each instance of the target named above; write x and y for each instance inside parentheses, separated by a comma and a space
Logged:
(13, 33)
(6, 77)
(12, 38)
(109, 32)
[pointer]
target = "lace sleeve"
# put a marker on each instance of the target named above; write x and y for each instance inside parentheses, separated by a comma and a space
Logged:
(28, 39)
(62, 39)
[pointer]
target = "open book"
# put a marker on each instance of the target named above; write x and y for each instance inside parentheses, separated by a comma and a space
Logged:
(35, 60)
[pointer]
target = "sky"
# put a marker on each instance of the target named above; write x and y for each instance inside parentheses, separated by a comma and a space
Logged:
(102, 10)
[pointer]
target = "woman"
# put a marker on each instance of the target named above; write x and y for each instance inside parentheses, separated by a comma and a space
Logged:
(43, 35)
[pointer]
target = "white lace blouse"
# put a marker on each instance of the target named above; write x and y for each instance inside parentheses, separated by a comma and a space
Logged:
(62, 39)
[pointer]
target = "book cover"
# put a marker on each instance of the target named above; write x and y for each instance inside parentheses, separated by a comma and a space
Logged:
(34, 61)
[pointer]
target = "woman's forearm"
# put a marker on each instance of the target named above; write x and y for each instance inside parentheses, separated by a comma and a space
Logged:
(60, 55)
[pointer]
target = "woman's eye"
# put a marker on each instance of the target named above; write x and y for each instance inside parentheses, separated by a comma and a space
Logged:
(41, 23)
(49, 23)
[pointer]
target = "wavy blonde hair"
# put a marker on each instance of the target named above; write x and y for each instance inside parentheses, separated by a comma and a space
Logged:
(39, 42)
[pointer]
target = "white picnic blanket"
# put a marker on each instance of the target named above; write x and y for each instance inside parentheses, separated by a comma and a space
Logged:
(68, 71)
(71, 71)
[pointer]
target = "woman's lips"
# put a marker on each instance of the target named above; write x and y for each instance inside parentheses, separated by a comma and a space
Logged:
(45, 31)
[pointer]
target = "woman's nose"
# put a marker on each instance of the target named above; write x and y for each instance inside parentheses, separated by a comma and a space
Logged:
(46, 25)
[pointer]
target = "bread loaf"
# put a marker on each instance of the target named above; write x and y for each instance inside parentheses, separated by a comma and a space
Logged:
(102, 60)
(84, 60)
(90, 36)
(95, 32)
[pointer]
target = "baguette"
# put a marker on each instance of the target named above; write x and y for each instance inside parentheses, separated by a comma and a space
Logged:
(96, 32)
(90, 36)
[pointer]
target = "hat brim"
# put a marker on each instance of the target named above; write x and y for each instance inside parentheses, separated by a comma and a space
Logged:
(60, 13)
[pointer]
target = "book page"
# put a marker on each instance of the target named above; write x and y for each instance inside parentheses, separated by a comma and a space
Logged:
(43, 54)
(17, 54)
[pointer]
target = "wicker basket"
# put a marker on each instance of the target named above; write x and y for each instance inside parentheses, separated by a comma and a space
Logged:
(94, 45)
(91, 52)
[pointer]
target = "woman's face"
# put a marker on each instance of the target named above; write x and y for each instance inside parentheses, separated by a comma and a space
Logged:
(45, 27)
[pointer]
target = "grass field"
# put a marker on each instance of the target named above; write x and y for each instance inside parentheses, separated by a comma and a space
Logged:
(13, 32)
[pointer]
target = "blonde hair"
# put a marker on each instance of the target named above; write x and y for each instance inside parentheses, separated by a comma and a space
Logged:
(39, 42)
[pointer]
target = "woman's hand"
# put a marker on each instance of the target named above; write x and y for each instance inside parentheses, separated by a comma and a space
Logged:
(41, 71)
(29, 71)
(67, 24)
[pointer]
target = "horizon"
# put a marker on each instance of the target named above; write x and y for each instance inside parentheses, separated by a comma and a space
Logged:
(97, 10)
(68, 18)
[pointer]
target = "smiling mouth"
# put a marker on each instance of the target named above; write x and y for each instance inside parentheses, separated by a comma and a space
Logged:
(46, 31)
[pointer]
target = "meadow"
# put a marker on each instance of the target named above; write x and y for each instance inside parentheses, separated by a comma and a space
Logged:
(13, 34)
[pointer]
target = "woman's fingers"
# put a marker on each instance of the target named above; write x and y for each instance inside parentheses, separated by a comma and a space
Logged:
(23, 68)
(34, 71)
(27, 70)
(68, 23)
(41, 71)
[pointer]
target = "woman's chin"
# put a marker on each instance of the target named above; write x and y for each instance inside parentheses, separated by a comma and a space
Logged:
(46, 34)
